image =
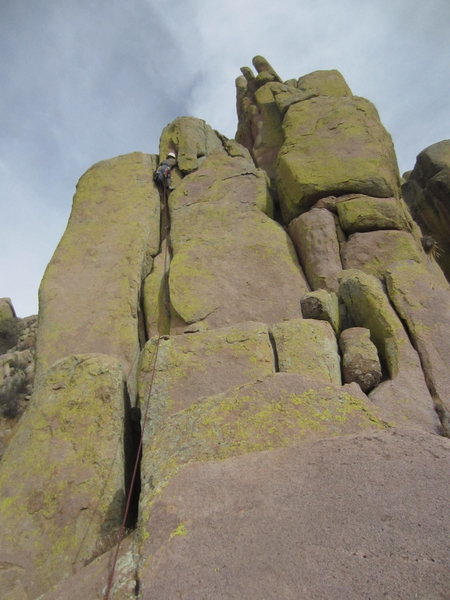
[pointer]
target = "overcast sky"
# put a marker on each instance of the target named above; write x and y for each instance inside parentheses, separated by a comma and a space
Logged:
(85, 80)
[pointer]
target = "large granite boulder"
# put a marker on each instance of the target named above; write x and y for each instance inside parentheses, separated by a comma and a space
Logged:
(422, 300)
(231, 262)
(89, 296)
(307, 347)
(427, 193)
(316, 241)
(62, 476)
(333, 146)
(373, 251)
(364, 213)
(196, 365)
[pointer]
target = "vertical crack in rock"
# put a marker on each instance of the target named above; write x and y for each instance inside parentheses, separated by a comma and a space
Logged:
(276, 363)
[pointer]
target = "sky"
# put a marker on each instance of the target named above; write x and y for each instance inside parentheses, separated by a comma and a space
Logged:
(86, 80)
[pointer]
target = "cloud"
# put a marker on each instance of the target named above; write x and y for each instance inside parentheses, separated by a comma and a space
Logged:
(85, 81)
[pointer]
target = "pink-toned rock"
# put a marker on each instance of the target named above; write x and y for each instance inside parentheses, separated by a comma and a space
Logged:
(315, 239)
(422, 299)
(374, 251)
(360, 362)
(351, 517)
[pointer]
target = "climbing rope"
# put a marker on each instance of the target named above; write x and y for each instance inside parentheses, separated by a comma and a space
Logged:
(144, 421)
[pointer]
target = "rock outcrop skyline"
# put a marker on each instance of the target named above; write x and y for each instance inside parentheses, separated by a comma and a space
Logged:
(268, 343)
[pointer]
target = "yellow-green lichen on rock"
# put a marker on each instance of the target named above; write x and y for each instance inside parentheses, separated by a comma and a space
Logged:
(62, 475)
(404, 395)
(333, 146)
(373, 251)
(200, 364)
(364, 213)
(307, 347)
(231, 261)
(283, 409)
(155, 298)
(89, 296)
(191, 139)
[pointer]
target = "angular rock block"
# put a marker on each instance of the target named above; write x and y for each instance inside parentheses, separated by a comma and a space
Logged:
(422, 299)
(363, 213)
(322, 305)
(309, 348)
(231, 262)
(62, 475)
(315, 239)
(426, 193)
(191, 139)
(196, 365)
(367, 507)
(89, 296)
(333, 146)
(405, 397)
(360, 362)
(374, 251)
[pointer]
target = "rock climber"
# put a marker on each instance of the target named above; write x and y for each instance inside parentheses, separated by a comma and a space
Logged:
(162, 173)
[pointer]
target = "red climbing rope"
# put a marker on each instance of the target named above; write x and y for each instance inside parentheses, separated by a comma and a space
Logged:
(144, 421)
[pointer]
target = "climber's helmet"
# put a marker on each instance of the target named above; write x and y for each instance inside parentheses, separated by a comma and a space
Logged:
(171, 155)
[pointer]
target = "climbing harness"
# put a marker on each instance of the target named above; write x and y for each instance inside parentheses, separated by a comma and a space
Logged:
(144, 421)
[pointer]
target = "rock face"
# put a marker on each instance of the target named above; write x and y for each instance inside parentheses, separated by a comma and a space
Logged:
(116, 215)
(427, 192)
(187, 370)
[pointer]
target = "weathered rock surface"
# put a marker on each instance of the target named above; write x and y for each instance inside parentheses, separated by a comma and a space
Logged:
(220, 225)
(89, 296)
(197, 365)
(373, 251)
(309, 348)
(405, 396)
(423, 302)
(192, 139)
(426, 192)
(360, 362)
(363, 213)
(315, 239)
(322, 305)
(62, 475)
(155, 296)
(333, 146)
(353, 517)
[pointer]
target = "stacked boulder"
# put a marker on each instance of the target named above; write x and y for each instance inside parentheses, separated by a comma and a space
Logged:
(272, 320)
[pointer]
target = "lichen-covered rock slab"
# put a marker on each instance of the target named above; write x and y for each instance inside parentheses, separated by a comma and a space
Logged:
(405, 396)
(307, 347)
(322, 305)
(231, 262)
(364, 213)
(315, 239)
(89, 296)
(282, 409)
(196, 365)
(373, 251)
(333, 146)
(423, 301)
(191, 139)
(427, 192)
(360, 362)
(349, 517)
(62, 475)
